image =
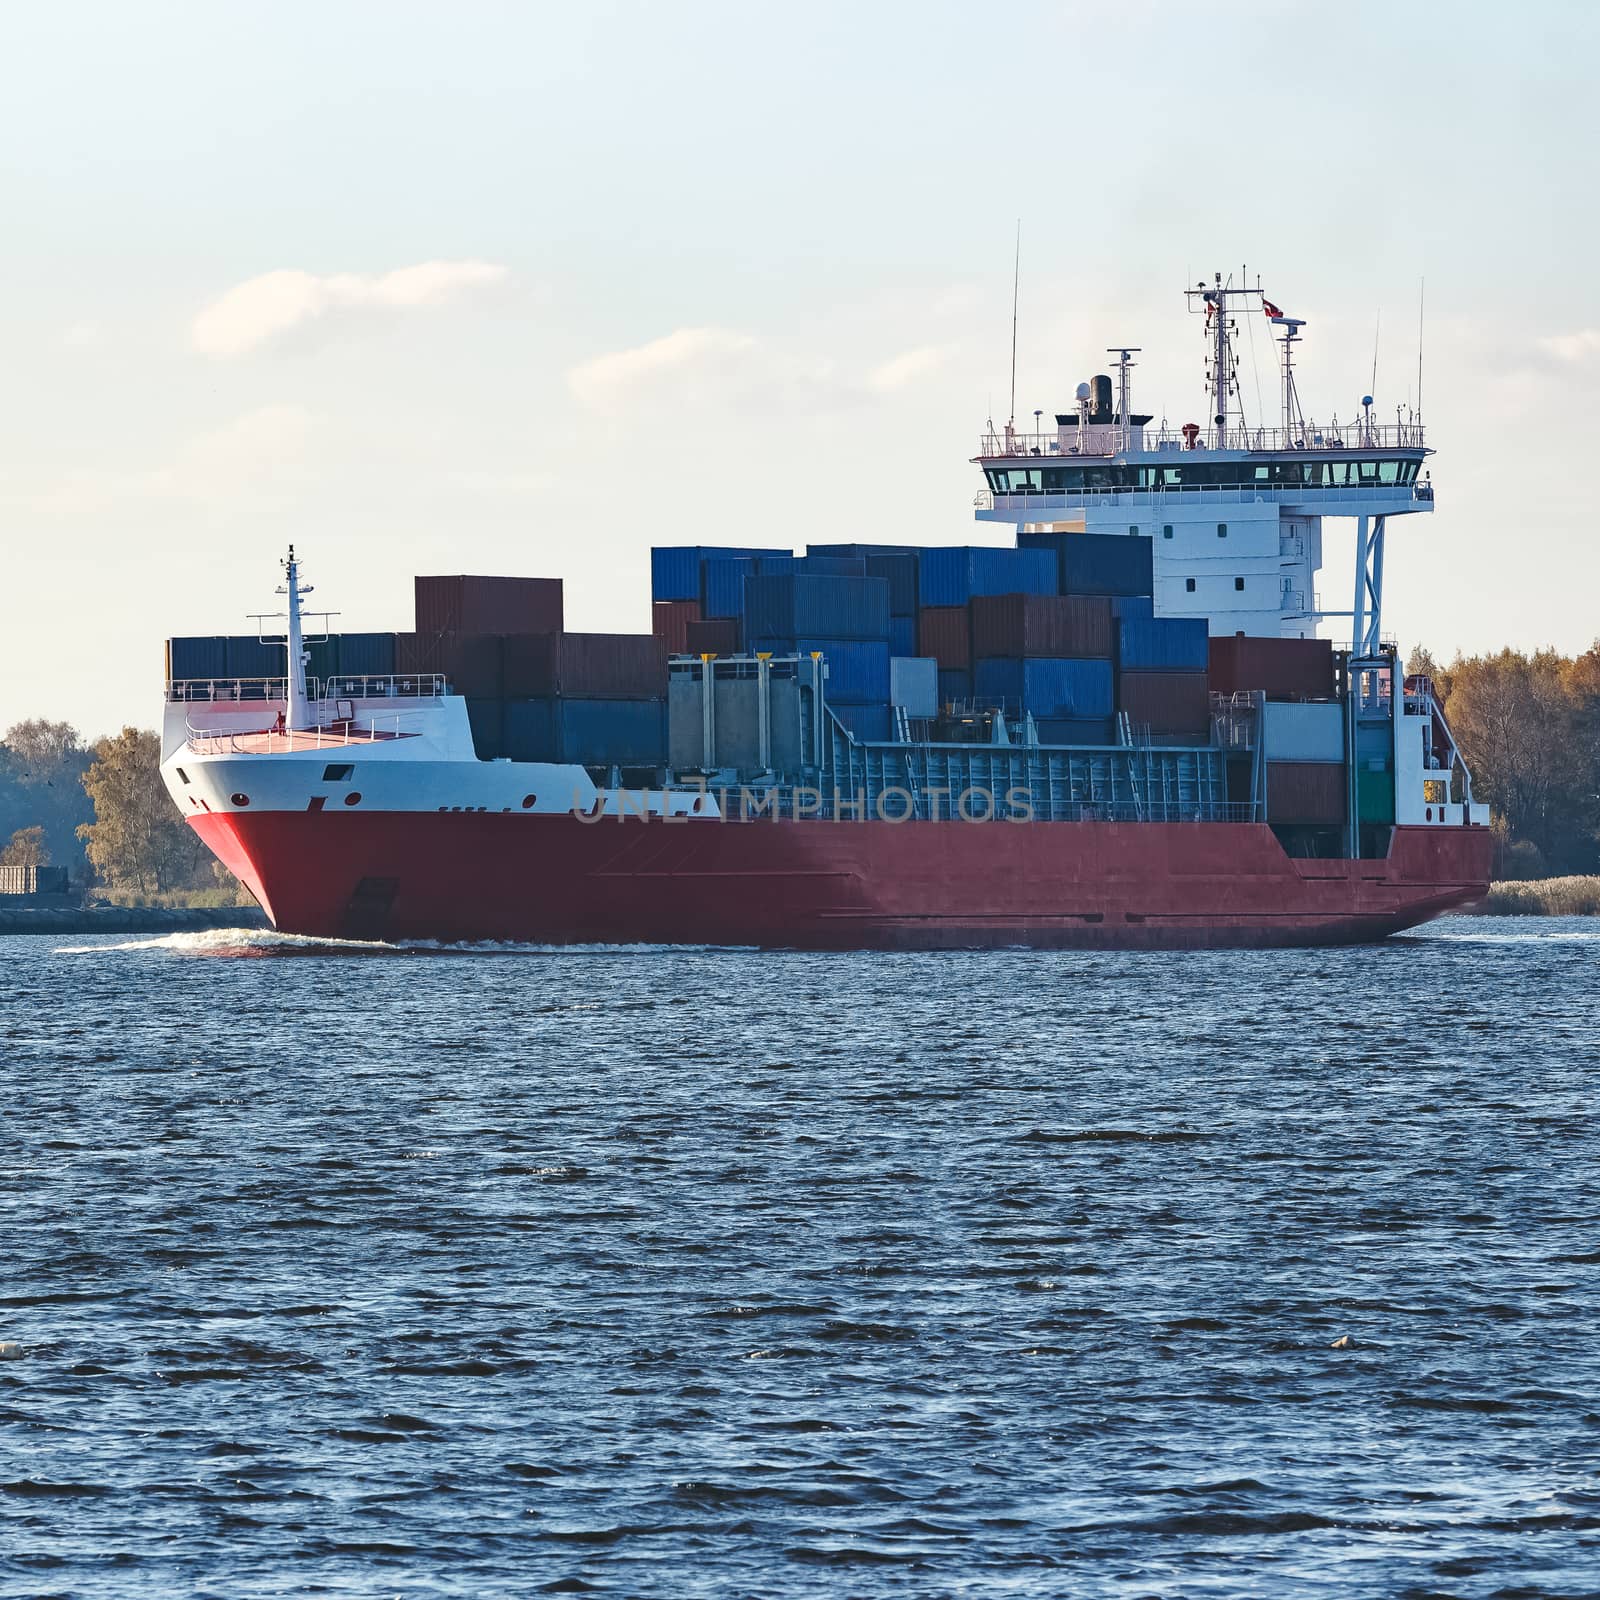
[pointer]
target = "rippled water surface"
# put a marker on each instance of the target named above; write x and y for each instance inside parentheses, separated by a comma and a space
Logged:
(691, 1273)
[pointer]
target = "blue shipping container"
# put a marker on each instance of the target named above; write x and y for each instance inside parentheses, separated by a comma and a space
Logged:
(858, 669)
(1048, 686)
(952, 577)
(200, 658)
(902, 636)
(1164, 644)
(828, 566)
(801, 605)
(724, 586)
(250, 657)
(722, 580)
(870, 723)
(322, 660)
(896, 562)
(1136, 607)
(954, 684)
(675, 569)
(1076, 730)
(529, 732)
(1097, 563)
(369, 655)
(487, 719)
(628, 733)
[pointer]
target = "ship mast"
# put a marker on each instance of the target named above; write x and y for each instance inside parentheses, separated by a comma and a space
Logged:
(298, 712)
(1219, 329)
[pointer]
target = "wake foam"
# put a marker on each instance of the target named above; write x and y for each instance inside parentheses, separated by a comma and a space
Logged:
(264, 943)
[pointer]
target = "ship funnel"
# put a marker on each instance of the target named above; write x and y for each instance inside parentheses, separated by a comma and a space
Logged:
(1100, 385)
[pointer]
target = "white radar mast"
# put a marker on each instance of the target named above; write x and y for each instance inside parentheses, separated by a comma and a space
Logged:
(298, 714)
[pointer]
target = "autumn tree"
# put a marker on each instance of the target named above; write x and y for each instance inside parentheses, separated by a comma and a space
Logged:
(41, 763)
(43, 748)
(26, 849)
(1529, 729)
(138, 840)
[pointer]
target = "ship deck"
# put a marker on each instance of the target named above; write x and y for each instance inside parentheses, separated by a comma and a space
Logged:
(276, 741)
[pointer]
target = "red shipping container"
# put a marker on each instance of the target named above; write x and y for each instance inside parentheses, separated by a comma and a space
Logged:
(945, 633)
(488, 605)
(1166, 702)
(586, 666)
(670, 620)
(717, 636)
(1306, 791)
(1023, 625)
(1285, 669)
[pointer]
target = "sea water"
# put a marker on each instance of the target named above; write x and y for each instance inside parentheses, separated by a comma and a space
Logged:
(353, 1270)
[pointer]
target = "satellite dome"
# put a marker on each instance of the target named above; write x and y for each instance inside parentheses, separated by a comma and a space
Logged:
(1083, 391)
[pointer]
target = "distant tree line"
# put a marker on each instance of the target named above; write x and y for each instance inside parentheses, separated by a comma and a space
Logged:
(101, 811)
(1529, 730)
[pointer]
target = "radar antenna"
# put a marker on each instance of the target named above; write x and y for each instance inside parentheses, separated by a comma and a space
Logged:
(1016, 285)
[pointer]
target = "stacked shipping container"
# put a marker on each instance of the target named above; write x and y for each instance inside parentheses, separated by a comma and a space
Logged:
(1303, 725)
(1062, 627)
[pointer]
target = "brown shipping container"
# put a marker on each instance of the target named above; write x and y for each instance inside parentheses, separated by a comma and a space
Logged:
(670, 620)
(945, 633)
(1305, 791)
(586, 666)
(471, 661)
(1166, 702)
(488, 605)
(1286, 669)
(418, 652)
(718, 636)
(1014, 625)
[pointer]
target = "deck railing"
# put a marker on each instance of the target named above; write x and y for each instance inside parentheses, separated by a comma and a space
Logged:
(1108, 439)
(359, 686)
(340, 734)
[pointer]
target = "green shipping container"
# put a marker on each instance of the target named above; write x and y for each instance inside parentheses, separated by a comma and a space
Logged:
(1374, 796)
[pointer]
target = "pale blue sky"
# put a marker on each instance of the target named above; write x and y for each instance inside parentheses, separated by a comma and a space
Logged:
(555, 283)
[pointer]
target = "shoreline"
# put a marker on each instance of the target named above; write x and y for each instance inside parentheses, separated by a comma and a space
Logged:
(127, 919)
(1541, 897)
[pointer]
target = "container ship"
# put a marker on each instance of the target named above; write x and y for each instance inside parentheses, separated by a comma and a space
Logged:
(1118, 730)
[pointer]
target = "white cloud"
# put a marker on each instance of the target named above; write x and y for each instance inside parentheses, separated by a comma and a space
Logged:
(261, 309)
(1584, 345)
(261, 453)
(909, 367)
(687, 352)
(80, 336)
(262, 447)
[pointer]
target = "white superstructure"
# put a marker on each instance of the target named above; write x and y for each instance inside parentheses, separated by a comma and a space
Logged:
(1235, 512)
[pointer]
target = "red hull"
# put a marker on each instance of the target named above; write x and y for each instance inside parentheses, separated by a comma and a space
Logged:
(827, 885)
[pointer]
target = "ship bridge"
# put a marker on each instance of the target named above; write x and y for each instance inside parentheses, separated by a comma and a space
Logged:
(1235, 512)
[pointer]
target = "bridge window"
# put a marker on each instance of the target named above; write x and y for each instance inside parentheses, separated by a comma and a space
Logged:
(1166, 530)
(1188, 584)
(338, 774)
(1133, 527)
(1238, 583)
(1222, 530)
